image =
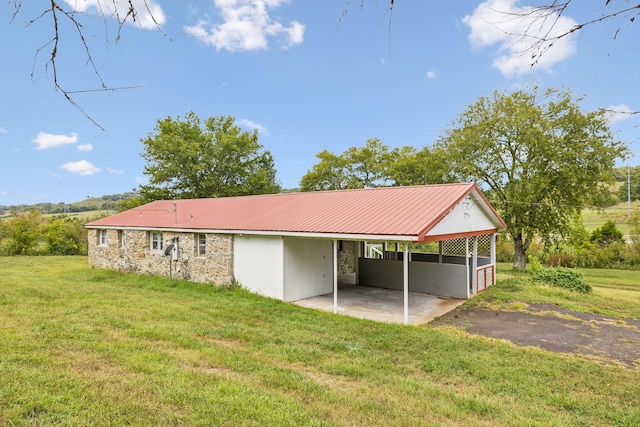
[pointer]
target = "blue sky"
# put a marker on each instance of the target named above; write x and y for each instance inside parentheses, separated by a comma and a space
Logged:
(305, 74)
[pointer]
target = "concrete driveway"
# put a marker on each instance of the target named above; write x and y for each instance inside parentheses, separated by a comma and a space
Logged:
(382, 305)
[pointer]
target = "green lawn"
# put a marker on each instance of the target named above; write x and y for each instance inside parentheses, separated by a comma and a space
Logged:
(93, 347)
(618, 213)
(615, 292)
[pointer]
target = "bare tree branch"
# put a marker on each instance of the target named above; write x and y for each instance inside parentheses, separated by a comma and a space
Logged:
(68, 17)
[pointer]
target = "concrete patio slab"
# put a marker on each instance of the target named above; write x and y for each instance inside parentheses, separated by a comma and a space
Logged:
(382, 305)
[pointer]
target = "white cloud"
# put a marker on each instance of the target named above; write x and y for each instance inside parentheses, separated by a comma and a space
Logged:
(431, 74)
(148, 16)
(48, 140)
(3, 130)
(81, 167)
(85, 147)
(253, 125)
(247, 25)
(517, 31)
(618, 113)
(115, 171)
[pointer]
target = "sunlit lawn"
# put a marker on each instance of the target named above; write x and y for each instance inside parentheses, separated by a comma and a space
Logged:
(93, 347)
(615, 292)
(618, 213)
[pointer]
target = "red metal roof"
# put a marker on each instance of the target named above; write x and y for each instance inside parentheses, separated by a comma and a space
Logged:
(389, 211)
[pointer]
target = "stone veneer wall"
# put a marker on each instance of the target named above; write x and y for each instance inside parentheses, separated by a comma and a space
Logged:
(216, 266)
(347, 257)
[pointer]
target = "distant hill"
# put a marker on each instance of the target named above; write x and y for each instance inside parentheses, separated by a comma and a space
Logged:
(104, 203)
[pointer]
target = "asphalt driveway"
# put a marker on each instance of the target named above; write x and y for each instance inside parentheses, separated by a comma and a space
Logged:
(606, 339)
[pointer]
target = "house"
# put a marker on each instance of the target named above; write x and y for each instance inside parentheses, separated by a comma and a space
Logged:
(293, 246)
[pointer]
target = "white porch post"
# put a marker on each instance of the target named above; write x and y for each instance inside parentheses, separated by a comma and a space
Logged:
(474, 277)
(466, 263)
(492, 254)
(492, 248)
(440, 249)
(405, 267)
(335, 276)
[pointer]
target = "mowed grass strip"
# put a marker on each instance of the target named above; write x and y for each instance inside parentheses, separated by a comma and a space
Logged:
(615, 293)
(94, 347)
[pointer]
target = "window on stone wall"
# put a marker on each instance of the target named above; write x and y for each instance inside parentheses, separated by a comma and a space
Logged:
(121, 241)
(102, 237)
(155, 238)
(201, 244)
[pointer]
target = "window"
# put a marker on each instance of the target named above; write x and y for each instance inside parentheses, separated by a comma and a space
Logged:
(156, 241)
(201, 244)
(102, 237)
(121, 240)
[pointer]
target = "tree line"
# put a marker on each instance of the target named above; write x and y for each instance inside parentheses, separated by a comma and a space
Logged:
(29, 232)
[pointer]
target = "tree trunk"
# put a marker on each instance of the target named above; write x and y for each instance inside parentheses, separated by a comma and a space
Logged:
(520, 252)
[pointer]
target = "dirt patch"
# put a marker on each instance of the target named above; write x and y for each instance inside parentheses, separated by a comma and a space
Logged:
(553, 328)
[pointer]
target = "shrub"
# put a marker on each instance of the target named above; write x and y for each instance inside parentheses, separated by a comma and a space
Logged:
(560, 259)
(534, 264)
(607, 234)
(562, 277)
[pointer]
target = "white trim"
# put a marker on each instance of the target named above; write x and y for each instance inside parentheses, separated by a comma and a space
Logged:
(312, 235)
(198, 247)
(103, 237)
(159, 242)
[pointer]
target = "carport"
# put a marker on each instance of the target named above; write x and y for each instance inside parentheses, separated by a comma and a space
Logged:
(382, 305)
(400, 285)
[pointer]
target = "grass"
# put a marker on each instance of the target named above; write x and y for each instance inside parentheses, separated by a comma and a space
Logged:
(617, 213)
(94, 347)
(615, 293)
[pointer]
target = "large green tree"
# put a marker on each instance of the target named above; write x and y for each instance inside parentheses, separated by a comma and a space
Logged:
(375, 165)
(410, 166)
(20, 233)
(539, 156)
(190, 158)
(357, 167)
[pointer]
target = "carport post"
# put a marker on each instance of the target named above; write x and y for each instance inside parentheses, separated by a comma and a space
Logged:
(335, 276)
(474, 278)
(466, 263)
(405, 268)
(492, 248)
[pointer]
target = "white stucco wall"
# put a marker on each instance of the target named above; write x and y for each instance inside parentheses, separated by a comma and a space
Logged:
(258, 264)
(308, 268)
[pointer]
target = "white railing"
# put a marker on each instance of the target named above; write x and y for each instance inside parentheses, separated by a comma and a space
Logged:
(373, 250)
(485, 277)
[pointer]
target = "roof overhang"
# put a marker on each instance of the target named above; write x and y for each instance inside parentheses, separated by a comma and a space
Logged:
(310, 235)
